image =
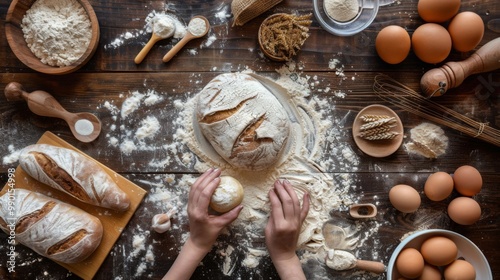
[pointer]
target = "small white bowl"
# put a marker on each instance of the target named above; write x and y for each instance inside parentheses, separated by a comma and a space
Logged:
(466, 250)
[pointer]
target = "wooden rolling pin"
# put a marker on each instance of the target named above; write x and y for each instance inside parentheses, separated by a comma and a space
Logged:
(437, 81)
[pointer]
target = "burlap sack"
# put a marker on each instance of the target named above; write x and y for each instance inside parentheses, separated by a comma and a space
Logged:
(245, 10)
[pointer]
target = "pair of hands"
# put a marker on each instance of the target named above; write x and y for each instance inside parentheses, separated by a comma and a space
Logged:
(282, 230)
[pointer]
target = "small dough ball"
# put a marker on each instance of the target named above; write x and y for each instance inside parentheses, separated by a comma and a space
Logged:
(468, 180)
(404, 198)
(393, 44)
(438, 186)
(460, 270)
(227, 195)
(410, 263)
(464, 211)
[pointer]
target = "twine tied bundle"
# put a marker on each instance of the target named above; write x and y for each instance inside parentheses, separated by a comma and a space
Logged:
(407, 99)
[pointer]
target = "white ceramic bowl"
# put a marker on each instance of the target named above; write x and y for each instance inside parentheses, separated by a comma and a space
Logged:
(367, 13)
(466, 250)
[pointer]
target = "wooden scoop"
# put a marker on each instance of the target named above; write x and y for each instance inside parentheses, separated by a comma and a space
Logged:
(343, 260)
(188, 37)
(84, 126)
(437, 81)
(365, 210)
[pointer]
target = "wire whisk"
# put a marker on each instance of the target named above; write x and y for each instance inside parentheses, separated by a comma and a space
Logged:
(407, 99)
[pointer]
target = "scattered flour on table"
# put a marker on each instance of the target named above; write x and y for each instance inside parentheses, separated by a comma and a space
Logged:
(13, 155)
(58, 32)
(129, 133)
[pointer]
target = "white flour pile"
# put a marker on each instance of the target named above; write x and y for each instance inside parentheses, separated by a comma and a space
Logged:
(58, 32)
(341, 10)
(427, 140)
(197, 26)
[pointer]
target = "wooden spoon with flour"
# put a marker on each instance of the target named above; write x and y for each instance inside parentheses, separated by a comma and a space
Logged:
(343, 260)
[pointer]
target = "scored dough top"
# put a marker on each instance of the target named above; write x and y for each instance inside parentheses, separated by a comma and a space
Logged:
(243, 121)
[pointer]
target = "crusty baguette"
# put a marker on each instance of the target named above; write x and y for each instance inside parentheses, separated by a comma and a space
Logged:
(74, 174)
(50, 227)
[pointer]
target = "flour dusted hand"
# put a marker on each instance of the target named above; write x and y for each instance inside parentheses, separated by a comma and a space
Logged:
(51, 228)
(74, 174)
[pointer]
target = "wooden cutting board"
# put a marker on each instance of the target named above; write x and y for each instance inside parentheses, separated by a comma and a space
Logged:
(113, 222)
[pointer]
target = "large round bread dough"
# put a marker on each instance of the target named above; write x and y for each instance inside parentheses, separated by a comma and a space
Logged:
(243, 121)
(227, 195)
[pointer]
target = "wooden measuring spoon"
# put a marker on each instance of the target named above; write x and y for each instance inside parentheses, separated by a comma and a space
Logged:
(343, 260)
(437, 81)
(155, 37)
(84, 126)
(188, 37)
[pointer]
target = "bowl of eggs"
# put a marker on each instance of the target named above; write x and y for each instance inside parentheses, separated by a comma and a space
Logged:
(438, 254)
(52, 37)
(345, 17)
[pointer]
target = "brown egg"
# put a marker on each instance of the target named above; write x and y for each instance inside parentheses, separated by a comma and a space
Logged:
(464, 211)
(466, 30)
(438, 186)
(404, 198)
(431, 43)
(437, 10)
(430, 272)
(460, 270)
(410, 263)
(468, 180)
(393, 44)
(439, 250)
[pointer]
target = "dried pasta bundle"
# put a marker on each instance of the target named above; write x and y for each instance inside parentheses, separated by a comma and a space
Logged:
(246, 10)
(282, 35)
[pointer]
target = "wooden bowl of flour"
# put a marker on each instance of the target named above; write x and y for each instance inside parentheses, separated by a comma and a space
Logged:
(17, 42)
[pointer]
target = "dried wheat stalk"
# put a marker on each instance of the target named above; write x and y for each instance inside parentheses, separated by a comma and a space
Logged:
(413, 102)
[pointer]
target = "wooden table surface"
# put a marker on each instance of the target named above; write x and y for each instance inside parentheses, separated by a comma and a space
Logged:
(111, 76)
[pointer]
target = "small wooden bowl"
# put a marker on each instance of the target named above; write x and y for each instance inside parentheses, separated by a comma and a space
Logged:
(261, 43)
(17, 43)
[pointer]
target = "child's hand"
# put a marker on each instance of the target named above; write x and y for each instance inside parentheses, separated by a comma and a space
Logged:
(205, 228)
(286, 218)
